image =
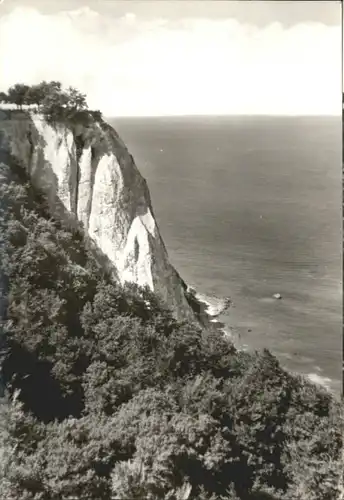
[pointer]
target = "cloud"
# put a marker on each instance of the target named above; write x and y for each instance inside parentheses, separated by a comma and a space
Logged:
(130, 66)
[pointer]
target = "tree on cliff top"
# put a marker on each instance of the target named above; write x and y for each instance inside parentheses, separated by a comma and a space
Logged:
(54, 102)
(3, 97)
(64, 105)
(45, 91)
(37, 93)
(76, 99)
(17, 94)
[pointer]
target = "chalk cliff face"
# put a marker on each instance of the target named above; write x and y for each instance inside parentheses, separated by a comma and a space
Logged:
(87, 171)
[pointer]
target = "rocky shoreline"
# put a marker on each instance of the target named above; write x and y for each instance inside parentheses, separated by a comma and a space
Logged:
(208, 308)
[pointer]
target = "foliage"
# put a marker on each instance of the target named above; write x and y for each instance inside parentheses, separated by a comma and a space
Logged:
(37, 93)
(76, 99)
(3, 97)
(119, 400)
(17, 94)
(53, 101)
(96, 115)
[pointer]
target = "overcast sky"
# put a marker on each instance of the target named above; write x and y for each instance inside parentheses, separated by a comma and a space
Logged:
(179, 57)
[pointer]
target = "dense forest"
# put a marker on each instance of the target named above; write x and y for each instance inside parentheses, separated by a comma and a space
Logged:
(109, 397)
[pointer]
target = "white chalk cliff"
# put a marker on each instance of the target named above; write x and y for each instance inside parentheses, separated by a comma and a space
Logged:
(90, 173)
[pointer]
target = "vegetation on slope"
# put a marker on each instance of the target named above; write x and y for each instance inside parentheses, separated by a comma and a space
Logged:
(109, 397)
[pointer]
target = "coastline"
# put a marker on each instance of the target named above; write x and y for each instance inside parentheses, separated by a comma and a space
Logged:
(210, 307)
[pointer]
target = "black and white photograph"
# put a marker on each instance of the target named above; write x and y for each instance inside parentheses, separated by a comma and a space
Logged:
(171, 232)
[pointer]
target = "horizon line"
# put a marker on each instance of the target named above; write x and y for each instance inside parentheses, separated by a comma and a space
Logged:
(229, 115)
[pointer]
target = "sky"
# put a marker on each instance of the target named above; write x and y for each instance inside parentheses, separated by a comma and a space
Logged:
(161, 58)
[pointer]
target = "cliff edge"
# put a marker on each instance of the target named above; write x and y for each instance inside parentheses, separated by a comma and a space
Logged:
(87, 173)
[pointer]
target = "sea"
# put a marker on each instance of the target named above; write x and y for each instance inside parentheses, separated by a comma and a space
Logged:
(250, 207)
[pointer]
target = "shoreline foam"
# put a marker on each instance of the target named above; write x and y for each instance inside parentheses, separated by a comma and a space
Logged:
(210, 307)
(319, 380)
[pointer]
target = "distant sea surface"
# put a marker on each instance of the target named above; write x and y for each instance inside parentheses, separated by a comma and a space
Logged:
(249, 207)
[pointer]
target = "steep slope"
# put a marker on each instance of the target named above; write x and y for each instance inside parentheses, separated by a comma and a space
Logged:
(119, 400)
(88, 173)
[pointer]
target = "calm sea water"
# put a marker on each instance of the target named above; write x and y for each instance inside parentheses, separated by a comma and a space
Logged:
(249, 207)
